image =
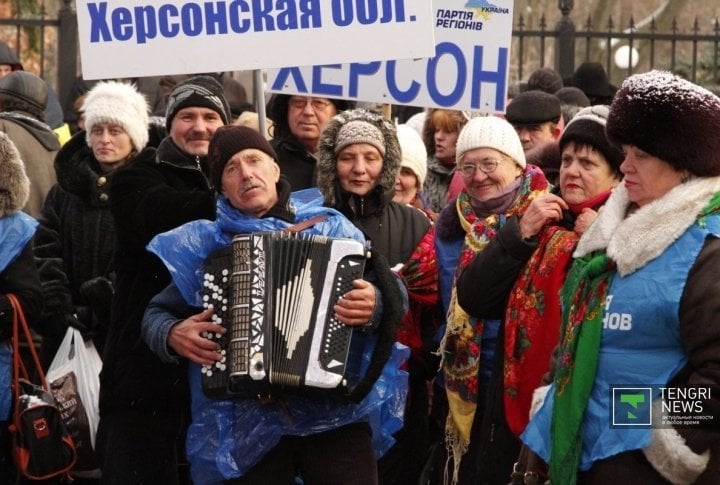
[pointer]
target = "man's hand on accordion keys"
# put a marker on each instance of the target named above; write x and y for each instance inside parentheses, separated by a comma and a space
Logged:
(188, 338)
(357, 305)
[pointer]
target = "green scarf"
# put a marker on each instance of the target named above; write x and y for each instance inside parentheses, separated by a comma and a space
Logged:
(585, 290)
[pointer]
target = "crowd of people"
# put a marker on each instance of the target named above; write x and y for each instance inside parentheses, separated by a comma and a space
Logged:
(518, 268)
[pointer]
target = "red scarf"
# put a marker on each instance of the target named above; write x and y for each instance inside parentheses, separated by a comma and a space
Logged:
(532, 321)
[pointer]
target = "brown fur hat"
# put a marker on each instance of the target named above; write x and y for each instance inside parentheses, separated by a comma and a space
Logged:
(670, 118)
(14, 183)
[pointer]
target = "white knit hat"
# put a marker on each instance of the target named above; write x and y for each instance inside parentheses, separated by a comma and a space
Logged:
(490, 132)
(414, 153)
(121, 104)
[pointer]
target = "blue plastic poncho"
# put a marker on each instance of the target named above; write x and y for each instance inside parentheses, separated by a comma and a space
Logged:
(227, 437)
(16, 230)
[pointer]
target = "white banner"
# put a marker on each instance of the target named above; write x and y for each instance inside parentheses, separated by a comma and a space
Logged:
(129, 38)
(469, 70)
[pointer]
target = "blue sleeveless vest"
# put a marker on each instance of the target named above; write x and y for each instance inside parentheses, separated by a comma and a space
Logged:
(641, 346)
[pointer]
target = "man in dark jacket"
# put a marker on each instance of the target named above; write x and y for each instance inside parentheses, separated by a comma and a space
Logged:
(23, 97)
(299, 121)
(144, 403)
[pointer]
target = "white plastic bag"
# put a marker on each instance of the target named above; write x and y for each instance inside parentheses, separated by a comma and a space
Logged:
(74, 380)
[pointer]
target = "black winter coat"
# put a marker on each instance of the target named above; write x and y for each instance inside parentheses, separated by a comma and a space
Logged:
(74, 245)
(298, 166)
(147, 198)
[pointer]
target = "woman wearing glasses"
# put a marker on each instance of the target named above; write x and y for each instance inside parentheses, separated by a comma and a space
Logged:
(498, 185)
(517, 278)
(299, 121)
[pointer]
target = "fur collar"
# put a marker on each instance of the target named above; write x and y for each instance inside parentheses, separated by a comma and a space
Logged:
(634, 240)
(14, 183)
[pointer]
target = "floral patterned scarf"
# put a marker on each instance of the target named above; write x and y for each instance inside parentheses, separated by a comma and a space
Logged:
(584, 296)
(461, 346)
(532, 321)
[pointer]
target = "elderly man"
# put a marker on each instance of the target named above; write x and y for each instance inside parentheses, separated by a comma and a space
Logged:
(250, 440)
(143, 403)
(299, 121)
(536, 117)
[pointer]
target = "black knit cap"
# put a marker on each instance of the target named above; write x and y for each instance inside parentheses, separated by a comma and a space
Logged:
(669, 118)
(588, 128)
(533, 108)
(198, 91)
(25, 86)
(229, 140)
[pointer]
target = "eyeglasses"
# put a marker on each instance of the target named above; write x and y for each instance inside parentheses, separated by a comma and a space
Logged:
(317, 104)
(485, 166)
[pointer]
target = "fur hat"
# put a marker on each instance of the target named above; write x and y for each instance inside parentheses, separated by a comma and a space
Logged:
(665, 115)
(414, 154)
(229, 140)
(490, 132)
(544, 79)
(533, 108)
(25, 86)
(198, 91)
(327, 180)
(14, 183)
(588, 128)
(120, 104)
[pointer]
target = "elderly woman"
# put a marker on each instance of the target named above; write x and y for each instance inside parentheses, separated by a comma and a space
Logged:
(413, 170)
(537, 248)
(640, 305)
(498, 185)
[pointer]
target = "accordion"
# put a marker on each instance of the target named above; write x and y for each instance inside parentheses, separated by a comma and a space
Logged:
(274, 293)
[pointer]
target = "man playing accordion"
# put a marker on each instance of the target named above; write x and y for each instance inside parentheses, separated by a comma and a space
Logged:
(318, 437)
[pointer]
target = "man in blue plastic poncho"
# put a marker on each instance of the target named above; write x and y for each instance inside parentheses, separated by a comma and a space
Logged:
(319, 439)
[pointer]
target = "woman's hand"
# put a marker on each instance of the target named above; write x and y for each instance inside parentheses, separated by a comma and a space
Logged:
(542, 210)
(584, 219)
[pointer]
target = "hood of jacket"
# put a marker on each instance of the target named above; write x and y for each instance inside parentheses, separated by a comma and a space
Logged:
(327, 178)
(42, 132)
(14, 183)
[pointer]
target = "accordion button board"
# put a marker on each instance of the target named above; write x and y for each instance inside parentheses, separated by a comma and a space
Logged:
(274, 293)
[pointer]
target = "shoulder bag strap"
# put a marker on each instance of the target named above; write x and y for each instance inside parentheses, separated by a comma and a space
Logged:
(301, 226)
(20, 325)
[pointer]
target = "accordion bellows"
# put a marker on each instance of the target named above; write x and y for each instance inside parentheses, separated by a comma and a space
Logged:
(274, 293)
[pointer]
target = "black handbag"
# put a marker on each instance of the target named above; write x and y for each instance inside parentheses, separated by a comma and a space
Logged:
(42, 446)
(529, 469)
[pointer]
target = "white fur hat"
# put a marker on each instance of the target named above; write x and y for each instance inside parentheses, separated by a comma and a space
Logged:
(490, 132)
(414, 153)
(121, 104)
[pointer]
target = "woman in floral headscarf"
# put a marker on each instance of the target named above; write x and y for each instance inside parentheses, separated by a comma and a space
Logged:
(498, 185)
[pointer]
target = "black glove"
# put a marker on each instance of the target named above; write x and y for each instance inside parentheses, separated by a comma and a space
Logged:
(83, 321)
(98, 293)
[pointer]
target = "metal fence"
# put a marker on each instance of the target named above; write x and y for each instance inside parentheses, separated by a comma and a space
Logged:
(47, 46)
(686, 50)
